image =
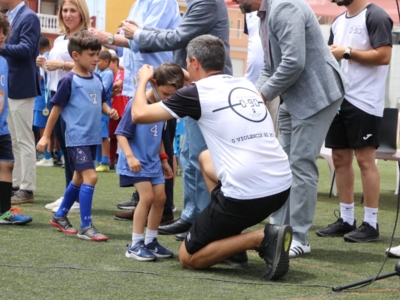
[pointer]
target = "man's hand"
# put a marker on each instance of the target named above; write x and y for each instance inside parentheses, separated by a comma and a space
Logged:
(42, 144)
(146, 72)
(263, 98)
(186, 77)
(113, 114)
(101, 35)
(337, 51)
(129, 27)
(40, 60)
(134, 164)
(166, 169)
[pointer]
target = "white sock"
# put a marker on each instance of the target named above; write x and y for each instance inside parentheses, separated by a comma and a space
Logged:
(150, 236)
(137, 237)
(347, 212)
(371, 216)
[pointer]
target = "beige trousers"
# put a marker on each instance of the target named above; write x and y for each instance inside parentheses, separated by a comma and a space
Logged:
(273, 108)
(20, 120)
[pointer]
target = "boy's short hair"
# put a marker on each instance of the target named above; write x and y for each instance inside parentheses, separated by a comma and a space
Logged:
(115, 58)
(44, 41)
(4, 24)
(83, 40)
(105, 55)
(169, 74)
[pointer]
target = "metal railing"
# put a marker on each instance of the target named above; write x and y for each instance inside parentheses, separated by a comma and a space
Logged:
(48, 23)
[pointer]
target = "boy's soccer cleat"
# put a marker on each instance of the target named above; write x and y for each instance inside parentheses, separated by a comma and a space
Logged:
(158, 250)
(90, 233)
(14, 216)
(140, 252)
(63, 224)
(103, 168)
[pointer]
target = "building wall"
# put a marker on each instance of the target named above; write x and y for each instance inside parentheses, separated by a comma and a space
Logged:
(116, 11)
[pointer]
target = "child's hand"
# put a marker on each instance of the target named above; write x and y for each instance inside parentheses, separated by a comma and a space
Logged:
(145, 73)
(42, 144)
(114, 114)
(166, 169)
(134, 164)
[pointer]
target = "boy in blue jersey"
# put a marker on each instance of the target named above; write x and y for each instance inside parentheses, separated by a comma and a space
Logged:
(8, 214)
(81, 99)
(142, 162)
(107, 76)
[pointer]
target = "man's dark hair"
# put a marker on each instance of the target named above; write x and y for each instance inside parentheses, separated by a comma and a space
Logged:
(209, 51)
(4, 24)
(169, 74)
(105, 55)
(83, 40)
(44, 41)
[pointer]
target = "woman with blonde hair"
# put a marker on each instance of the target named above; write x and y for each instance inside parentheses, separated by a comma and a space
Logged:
(73, 16)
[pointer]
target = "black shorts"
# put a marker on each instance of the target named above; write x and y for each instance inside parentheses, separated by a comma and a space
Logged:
(353, 128)
(225, 217)
(81, 158)
(6, 152)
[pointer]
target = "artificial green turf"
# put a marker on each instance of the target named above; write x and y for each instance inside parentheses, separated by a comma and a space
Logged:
(39, 262)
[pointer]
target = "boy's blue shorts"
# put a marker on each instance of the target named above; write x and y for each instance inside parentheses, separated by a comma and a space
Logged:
(39, 120)
(81, 158)
(104, 129)
(6, 153)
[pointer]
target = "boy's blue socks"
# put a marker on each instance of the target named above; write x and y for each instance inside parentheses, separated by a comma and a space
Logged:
(47, 154)
(85, 202)
(98, 154)
(70, 195)
(105, 160)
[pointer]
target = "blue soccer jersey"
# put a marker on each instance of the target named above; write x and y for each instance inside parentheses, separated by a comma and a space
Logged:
(144, 140)
(3, 96)
(81, 99)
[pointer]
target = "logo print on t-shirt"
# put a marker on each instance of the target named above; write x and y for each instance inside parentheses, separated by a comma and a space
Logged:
(81, 156)
(247, 104)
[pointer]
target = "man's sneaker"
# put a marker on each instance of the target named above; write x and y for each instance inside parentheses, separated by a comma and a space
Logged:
(393, 252)
(45, 162)
(21, 197)
(90, 233)
(158, 250)
(298, 249)
(75, 208)
(140, 252)
(274, 249)
(238, 260)
(63, 224)
(363, 234)
(103, 168)
(124, 216)
(60, 161)
(131, 203)
(14, 216)
(56, 203)
(339, 228)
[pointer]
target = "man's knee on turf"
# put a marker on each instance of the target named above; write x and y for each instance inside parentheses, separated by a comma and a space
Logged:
(187, 260)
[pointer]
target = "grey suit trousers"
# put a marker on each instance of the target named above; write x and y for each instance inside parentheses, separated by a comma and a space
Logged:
(302, 141)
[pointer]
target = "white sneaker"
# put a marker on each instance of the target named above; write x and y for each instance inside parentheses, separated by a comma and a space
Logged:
(394, 252)
(298, 249)
(56, 203)
(74, 208)
(45, 162)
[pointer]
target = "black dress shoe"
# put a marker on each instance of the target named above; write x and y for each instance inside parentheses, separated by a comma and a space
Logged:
(181, 236)
(176, 227)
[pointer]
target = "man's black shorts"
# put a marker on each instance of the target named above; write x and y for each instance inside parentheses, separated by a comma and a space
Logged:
(6, 152)
(353, 128)
(225, 217)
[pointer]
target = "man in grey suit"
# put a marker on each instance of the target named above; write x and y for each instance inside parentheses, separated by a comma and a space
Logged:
(301, 69)
(201, 17)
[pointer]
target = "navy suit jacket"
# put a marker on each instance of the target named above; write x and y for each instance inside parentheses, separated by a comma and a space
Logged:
(20, 51)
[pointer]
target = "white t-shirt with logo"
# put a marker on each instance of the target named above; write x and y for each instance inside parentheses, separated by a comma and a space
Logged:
(238, 130)
(370, 29)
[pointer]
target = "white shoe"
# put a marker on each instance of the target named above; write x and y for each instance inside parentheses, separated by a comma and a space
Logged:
(298, 249)
(45, 162)
(74, 208)
(56, 203)
(394, 252)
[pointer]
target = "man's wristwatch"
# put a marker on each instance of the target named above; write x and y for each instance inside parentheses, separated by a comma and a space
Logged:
(110, 39)
(347, 53)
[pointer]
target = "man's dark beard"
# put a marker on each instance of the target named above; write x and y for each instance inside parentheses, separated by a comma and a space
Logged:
(342, 2)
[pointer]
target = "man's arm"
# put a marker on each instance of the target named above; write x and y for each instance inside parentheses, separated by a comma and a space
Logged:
(29, 36)
(143, 113)
(375, 57)
(291, 37)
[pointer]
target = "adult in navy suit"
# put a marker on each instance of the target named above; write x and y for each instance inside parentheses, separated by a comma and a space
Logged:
(20, 51)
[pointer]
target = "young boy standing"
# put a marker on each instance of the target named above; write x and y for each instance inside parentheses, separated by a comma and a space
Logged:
(8, 215)
(142, 162)
(81, 99)
(107, 77)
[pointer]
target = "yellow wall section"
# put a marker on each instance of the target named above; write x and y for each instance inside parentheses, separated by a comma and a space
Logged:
(116, 11)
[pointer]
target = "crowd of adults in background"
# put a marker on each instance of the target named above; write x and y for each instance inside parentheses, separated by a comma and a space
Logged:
(309, 99)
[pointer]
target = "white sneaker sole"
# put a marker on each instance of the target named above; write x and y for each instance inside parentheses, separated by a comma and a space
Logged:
(139, 258)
